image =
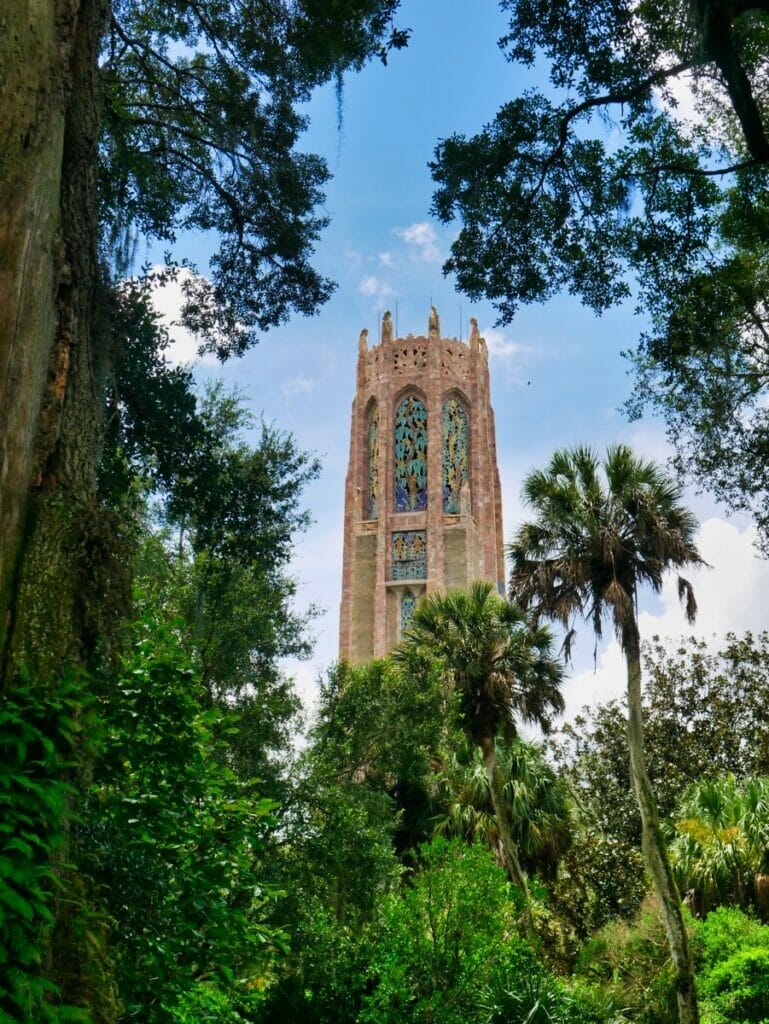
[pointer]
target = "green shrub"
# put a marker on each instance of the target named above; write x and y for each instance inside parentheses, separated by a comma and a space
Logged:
(439, 942)
(631, 961)
(176, 842)
(39, 750)
(734, 968)
(736, 991)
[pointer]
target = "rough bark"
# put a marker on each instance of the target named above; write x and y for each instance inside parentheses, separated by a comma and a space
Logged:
(50, 368)
(654, 847)
(52, 359)
(509, 847)
(35, 49)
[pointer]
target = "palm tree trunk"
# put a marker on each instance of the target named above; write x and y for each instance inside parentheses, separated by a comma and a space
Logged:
(654, 847)
(509, 847)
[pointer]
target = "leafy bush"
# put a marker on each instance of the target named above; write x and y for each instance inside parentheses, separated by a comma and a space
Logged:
(631, 962)
(736, 991)
(440, 941)
(734, 974)
(38, 748)
(176, 841)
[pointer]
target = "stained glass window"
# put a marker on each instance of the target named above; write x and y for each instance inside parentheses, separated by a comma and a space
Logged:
(409, 552)
(408, 604)
(372, 490)
(410, 455)
(456, 466)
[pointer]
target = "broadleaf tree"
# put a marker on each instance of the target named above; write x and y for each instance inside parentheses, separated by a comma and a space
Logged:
(636, 167)
(140, 119)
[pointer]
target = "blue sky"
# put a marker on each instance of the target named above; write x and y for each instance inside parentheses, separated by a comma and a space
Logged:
(558, 376)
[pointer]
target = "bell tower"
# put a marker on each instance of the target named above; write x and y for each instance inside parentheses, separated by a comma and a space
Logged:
(423, 510)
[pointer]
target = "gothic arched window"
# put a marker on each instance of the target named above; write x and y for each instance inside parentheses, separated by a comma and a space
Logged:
(410, 455)
(456, 458)
(371, 509)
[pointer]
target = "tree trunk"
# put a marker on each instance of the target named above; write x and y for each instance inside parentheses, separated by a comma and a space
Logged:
(509, 846)
(654, 847)
(51, 368)
(35, 51)
(53, 358)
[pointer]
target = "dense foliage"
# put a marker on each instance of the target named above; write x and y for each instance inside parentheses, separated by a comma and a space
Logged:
(174, 840)
(637, 168)
(166, 855)
(200, 128)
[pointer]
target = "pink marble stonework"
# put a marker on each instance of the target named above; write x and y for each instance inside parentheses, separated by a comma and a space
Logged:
(423, 510)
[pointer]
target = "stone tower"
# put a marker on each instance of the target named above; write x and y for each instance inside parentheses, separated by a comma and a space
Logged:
(423, 510)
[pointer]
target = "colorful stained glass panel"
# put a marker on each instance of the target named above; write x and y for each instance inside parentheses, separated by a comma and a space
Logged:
(409, 554)
(372, 490)
(456, 462)
(410, 455)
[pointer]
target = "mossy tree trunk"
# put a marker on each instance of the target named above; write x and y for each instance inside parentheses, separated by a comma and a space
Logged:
(654, 846)
(54, 356)
(51, 366)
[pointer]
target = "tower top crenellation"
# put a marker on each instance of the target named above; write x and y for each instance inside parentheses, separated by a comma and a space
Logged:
(387, 334)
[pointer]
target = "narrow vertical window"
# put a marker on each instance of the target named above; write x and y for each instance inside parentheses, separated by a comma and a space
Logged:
(408, 604)
(372, 466)
(456, 463)
(410, 455)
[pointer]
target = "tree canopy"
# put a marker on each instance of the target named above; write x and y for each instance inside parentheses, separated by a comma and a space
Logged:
(200, 130)
(602, 182)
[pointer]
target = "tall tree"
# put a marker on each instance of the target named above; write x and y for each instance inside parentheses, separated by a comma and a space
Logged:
(602, 530)
(119, 120)
(130, 118)
(601, 183)
(503, 670)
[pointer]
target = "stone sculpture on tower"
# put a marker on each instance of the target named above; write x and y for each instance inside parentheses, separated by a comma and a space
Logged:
(423, 509)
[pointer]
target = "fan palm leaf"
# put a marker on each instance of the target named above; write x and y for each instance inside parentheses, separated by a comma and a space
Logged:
(604, 528)
(504, 670)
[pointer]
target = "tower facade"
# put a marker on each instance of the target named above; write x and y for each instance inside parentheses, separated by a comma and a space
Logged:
(423, 509)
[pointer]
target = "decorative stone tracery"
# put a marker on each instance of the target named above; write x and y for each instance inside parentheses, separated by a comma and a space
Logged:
(408, 604)
(409, 555)
(456, 454)
(410, 462)
(372, 466)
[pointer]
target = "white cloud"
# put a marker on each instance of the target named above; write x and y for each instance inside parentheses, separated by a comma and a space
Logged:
(733, 595)
(376, 288)
(167, 301)
(297, 386)
(386, 259)
(422, 241)
(502, 347)
(684, 106)
(512, 355)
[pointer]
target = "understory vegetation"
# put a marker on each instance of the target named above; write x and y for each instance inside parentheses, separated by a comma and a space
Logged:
(215, 874)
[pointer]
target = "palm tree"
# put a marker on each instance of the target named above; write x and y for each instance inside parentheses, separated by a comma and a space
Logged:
(604, 529)
(504, 672)
(719, 850)
(537, 801)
